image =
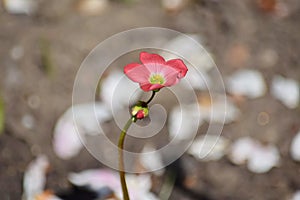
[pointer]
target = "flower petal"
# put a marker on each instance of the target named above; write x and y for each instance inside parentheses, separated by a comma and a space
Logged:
(170, 74)
(179, 66)
(149, 87)
(171, 79)
(151, 58)
(137, 72)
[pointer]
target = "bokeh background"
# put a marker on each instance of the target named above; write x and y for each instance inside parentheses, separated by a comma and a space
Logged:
(43, 43)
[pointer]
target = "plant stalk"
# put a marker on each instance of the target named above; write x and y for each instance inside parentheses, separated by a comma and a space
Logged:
(121, 148)
(121, 159)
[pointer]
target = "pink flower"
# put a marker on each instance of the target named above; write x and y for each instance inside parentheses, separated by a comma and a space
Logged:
(154, 72)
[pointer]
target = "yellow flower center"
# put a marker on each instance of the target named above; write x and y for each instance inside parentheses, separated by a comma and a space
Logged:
(157, 79)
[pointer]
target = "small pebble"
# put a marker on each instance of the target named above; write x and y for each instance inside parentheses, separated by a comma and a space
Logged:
(263, 118)
(238, 55)
(34, 101)
(92, 7)
(35, 149)
(28, 121)
(173, 5)
(268, 58)
(17, 52)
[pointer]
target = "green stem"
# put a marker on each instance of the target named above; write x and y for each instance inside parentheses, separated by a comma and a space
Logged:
(152, 96)
(121, 159)
(121, 147)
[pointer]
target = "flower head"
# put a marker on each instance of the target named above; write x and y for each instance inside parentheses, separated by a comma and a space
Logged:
(154, 72)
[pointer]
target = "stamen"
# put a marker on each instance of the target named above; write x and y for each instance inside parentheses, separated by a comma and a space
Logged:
(157, 79)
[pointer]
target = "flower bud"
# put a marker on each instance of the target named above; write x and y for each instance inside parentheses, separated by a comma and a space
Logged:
(140, 110)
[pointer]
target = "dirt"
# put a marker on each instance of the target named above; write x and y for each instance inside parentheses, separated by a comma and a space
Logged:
(239, 34)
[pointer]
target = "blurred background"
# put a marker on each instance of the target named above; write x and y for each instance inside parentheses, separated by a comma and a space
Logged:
(254, 43)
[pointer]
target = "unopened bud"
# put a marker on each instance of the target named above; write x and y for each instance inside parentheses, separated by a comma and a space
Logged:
(140, 110)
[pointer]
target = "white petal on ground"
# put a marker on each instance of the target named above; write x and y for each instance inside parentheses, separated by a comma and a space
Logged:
(248, 83)
(295, 147)
(218, 109)
(154, 162)
(117, 91)
(215, 145)
(241, 150)
(35, 177)
(138, 185)
(261, 158)
(20, 6)
(199, 80)
(192, 52)
(286, 90)
(296, 196)
(182, 128)
(180, 125)
(17, 52)
(88, 116)
(199, 61)
(96, 179)
(66, 142)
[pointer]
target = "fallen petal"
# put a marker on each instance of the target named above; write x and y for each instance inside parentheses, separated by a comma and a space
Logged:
(96, 179)
(295, 147)
(248, 83)
(263, 158)
(179, 124)
(20, 6)
(199, 80)
(35, 177)
(138, 185)
(66, 142)
(241, 150)
(117, 91)
(192, 52)
(296, 196)
(153, 163)
(217, 109)
(198, 60)
(286, 90)
(208, 148)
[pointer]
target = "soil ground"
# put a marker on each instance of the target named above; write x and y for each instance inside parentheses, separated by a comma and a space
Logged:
(224, 25)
